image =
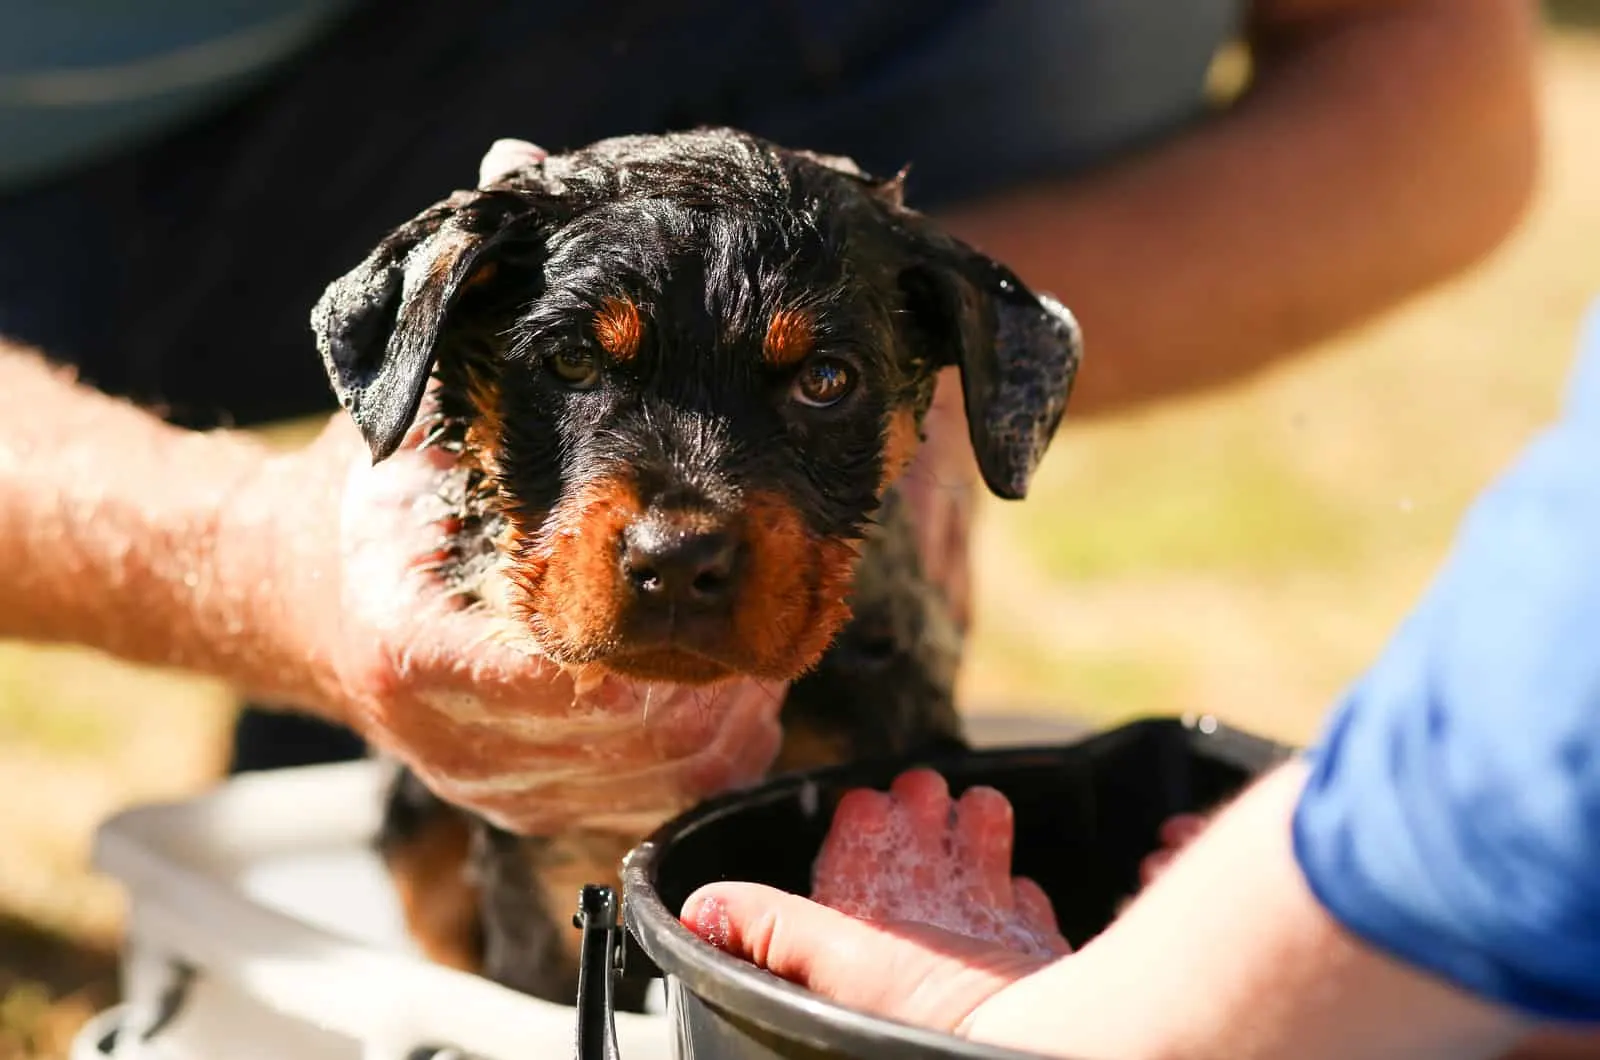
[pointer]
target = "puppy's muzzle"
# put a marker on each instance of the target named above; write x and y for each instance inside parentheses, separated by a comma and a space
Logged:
(680, 573)
(677, 565)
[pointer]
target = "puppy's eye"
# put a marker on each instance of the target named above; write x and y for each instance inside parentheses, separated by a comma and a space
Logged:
(575, 368)
(823, 382)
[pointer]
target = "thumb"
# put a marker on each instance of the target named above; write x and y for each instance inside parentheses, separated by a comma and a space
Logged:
(773, 929)
(911, 972)
(505, 157)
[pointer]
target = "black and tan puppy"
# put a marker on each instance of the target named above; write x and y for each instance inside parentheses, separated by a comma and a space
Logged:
(682, 374)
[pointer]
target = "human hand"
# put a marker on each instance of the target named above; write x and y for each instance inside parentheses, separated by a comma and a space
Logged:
(456, 692)
(940, 487)
(914, 913)
(914, 855)
(1178, 832)
(917, 974)
(1098, 1002)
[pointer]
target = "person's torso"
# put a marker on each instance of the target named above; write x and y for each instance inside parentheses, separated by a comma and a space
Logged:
(1047, 82)
(81, 78)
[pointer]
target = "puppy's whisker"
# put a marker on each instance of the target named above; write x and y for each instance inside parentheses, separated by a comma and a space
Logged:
(435, 435)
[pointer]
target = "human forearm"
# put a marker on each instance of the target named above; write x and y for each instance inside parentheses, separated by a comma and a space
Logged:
(1422, 885)
(1229, 955)
(1448, 824)
(1382, 147)
(109, 519)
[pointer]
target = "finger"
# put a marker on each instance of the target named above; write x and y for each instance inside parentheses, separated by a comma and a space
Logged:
(861, 814)
(840, 957)
(744, 749)
(615, 798)
(915, 973)
(825, 951)
(534, 722)
(510, 682)
(783, 933)
(923, 799)
(475, 650)
(1038, 915)
(1179, 830)
(984, 829)
(568, 795)
(530, 803)
(850, 869)
(505, 157)
(688, 722)
(500, 757)
(1175, 834)
(1154, 865)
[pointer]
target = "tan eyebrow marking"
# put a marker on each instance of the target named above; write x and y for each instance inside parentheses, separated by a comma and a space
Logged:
(790, 335)
(619, 327)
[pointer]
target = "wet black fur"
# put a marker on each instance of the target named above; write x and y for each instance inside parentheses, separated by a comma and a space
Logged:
(709, 233)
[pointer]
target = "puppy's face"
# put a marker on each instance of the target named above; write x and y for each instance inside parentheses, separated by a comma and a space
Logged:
(697, 415)
(682, 371)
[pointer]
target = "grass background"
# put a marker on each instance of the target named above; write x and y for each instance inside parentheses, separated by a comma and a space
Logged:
(1244, 554)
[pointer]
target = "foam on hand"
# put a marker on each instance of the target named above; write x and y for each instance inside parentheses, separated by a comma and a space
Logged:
(914, 855)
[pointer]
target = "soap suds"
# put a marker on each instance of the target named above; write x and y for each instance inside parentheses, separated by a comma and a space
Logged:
(915, 855)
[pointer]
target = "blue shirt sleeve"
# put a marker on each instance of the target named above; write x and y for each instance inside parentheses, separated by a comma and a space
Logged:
(1452, 816)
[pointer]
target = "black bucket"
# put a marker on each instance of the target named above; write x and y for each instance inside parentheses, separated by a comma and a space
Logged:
(1087, 813)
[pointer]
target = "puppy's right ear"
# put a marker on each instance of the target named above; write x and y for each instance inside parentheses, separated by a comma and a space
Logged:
(377, 327)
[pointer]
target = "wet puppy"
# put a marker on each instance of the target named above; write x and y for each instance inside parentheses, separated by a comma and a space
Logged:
(681, 375)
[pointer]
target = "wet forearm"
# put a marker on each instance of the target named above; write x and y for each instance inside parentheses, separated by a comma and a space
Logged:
(109, 520)
(1228, 954)
(1382, 147)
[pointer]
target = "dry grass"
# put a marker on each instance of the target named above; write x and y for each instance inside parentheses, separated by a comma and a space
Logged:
(1244, 554)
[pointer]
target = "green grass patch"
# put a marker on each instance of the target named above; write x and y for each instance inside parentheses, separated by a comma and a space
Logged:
(1229, 505)
(1112, 686)
(1573, 14)
(1100, 685)
(34, 714)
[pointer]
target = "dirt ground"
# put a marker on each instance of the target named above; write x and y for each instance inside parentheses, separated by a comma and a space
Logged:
(1243, 555)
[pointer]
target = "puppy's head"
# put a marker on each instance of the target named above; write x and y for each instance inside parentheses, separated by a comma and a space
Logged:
(684, 369)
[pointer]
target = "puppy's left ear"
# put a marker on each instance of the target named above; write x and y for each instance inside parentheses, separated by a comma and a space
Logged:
(378, 326)
(1018, 352)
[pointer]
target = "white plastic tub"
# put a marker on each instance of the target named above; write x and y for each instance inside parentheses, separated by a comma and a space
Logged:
(261, 925)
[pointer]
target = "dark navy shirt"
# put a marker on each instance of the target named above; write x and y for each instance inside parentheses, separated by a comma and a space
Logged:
(1001, 85)
(1453, 815)
(79, 78)
(194, 172)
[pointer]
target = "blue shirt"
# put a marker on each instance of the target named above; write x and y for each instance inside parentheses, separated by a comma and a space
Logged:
(1452, 817)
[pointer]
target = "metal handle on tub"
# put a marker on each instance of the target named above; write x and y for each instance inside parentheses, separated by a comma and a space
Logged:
(599, 957)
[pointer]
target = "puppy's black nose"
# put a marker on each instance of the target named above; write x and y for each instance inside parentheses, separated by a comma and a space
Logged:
(671, 562)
